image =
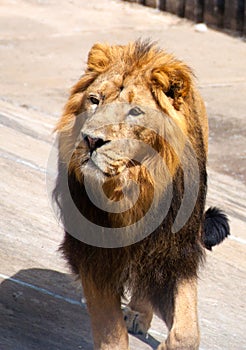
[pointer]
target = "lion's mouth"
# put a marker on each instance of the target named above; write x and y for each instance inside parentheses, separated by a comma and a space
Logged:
(102, 164)
(95, 168)
(105, 157)
(106, 166)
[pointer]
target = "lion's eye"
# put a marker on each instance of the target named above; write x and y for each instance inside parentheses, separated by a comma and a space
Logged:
(135, 111)
(94, 100)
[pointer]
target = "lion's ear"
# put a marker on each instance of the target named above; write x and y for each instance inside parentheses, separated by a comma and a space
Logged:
(99, 58)
(98, 61)
(174, 80)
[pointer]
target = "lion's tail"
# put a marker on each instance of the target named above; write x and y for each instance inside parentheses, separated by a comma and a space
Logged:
(216, 227)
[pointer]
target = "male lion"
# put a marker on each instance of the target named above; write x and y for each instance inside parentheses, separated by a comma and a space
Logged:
(132, 152)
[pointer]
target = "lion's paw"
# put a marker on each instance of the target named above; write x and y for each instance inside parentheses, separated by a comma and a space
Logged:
(136, 322)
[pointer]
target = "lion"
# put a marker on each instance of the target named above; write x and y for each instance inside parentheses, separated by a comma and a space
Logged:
(133, 140)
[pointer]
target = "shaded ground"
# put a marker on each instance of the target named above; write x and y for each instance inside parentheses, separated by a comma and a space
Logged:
(43, 48)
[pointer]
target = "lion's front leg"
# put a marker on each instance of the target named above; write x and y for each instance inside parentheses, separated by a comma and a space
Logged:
(108, 327)
(182, 319)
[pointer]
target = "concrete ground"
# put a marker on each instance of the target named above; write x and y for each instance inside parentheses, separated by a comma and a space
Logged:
(43, 49)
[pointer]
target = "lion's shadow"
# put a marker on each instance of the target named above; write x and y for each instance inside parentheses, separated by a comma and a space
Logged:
(42, 309)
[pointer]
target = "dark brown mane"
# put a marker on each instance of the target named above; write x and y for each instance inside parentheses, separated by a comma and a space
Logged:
(121, 268)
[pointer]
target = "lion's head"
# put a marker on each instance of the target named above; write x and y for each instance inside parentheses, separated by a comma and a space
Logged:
(130, 118)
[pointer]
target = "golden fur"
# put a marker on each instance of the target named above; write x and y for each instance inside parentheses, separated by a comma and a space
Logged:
(161, 269)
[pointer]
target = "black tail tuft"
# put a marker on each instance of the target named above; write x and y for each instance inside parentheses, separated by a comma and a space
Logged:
(216, 227)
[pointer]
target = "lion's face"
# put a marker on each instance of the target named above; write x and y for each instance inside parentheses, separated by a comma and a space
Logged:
(117, 135)
(125, 96)
(113, 112)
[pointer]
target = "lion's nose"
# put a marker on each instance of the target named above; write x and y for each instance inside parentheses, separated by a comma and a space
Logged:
(94, 142)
